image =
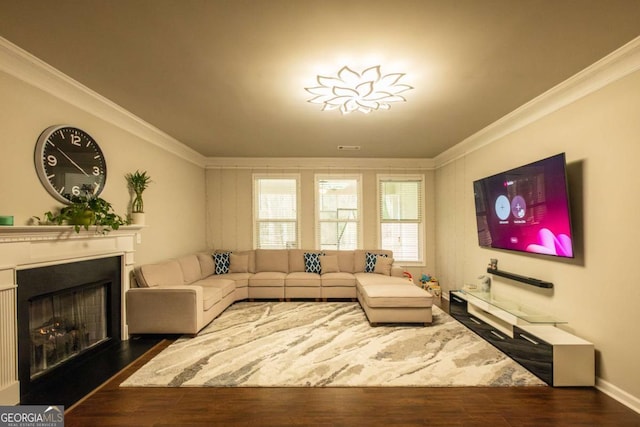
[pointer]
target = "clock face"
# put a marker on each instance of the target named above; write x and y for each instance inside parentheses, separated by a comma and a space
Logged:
(69, 163)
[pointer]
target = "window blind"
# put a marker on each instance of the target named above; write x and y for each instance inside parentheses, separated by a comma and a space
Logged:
(338, 213)
(276, 213)
(401, 217)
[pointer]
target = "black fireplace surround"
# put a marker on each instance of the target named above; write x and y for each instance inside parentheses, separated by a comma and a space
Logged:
(54, 280)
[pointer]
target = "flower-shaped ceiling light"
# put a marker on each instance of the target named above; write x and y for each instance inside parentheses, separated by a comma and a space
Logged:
(352, 91)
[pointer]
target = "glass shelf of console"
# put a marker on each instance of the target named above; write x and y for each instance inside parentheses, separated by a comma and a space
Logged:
(489, 302)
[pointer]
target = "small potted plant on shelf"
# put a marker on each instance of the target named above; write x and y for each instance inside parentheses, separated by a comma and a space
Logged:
(85, 211)
(138, 182)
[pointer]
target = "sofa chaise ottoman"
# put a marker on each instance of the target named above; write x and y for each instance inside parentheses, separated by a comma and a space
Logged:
(395, 303)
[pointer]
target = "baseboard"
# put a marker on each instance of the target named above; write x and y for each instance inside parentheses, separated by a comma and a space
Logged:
(618, 394)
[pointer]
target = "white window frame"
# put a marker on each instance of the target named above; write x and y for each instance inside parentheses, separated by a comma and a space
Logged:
(380, 178)
(256, 204)
(318, 221)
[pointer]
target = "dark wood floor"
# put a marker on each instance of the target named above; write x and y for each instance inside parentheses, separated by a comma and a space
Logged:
(73, 382)
(508, 406)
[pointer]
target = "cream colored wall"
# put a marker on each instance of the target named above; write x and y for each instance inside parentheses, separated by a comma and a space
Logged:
(230, 204)
(599, 292)
(174, 202)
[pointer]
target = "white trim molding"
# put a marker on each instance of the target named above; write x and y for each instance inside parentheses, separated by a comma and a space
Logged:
(24, 66)
(615, 66)
(334, 164)
(618, 394)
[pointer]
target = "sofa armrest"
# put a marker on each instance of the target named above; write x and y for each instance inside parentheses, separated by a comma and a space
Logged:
(165, 310)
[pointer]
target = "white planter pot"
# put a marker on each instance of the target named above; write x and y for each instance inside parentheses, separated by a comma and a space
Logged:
(137, 218)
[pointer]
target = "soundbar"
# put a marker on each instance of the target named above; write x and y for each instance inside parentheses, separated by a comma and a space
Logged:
(528, 280)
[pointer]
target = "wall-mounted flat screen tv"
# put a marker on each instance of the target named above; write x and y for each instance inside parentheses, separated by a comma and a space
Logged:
(526, 209)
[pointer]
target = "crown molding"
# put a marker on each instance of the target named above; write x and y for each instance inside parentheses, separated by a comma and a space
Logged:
(615, 66)
(24, 66)
(329, 163)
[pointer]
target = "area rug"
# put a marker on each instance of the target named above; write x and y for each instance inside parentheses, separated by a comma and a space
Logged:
(328, 344)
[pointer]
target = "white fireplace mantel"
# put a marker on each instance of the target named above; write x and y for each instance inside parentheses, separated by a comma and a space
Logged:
(38, 246)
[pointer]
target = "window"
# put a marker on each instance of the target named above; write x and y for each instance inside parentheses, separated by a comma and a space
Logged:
(338, 212)
(275, 215)
(401, 216)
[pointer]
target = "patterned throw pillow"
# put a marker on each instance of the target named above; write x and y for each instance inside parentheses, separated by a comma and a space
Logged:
(222, 262)
(370, 262)
(312, 262)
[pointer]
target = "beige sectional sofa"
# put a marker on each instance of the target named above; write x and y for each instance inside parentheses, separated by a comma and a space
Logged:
(181, 296)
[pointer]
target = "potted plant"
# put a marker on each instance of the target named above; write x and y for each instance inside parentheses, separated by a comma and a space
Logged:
(138, 182)
(85, 211)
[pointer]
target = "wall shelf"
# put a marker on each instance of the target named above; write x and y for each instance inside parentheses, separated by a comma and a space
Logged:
(528, 280)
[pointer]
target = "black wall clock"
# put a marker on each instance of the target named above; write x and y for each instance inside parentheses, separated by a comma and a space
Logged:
(69, 163)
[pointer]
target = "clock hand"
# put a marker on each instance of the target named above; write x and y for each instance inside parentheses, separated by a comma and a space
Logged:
(74, 163)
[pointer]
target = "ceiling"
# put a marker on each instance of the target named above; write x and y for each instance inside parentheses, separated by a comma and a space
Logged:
(227, 77)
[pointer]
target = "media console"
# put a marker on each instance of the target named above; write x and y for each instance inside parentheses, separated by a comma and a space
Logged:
(530, 338)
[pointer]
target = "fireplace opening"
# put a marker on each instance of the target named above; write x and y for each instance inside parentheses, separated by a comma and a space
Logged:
(66, 324)
(67, 313)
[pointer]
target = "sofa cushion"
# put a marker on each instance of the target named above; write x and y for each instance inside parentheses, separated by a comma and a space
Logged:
(371, 260)
(162, 274)
(345, 260)
(366, 279)
(360, 258)
(338, 279)
(268, 278)
(329, 264)
(270, 260)
(250, 253)
(210, 297)
(383, 265)
(222, 262)
(296, 260)
(139, 276)
(312, 262)
(252, 259)
(226, 286)
(241, 279)
(238, 263)
(395, 295)
(300, 278)
(207, 265)
(190, 269)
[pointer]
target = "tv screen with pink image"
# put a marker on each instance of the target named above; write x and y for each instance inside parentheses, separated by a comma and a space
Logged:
(526, 209)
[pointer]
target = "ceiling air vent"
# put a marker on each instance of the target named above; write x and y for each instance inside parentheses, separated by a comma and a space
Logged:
(348, 147)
